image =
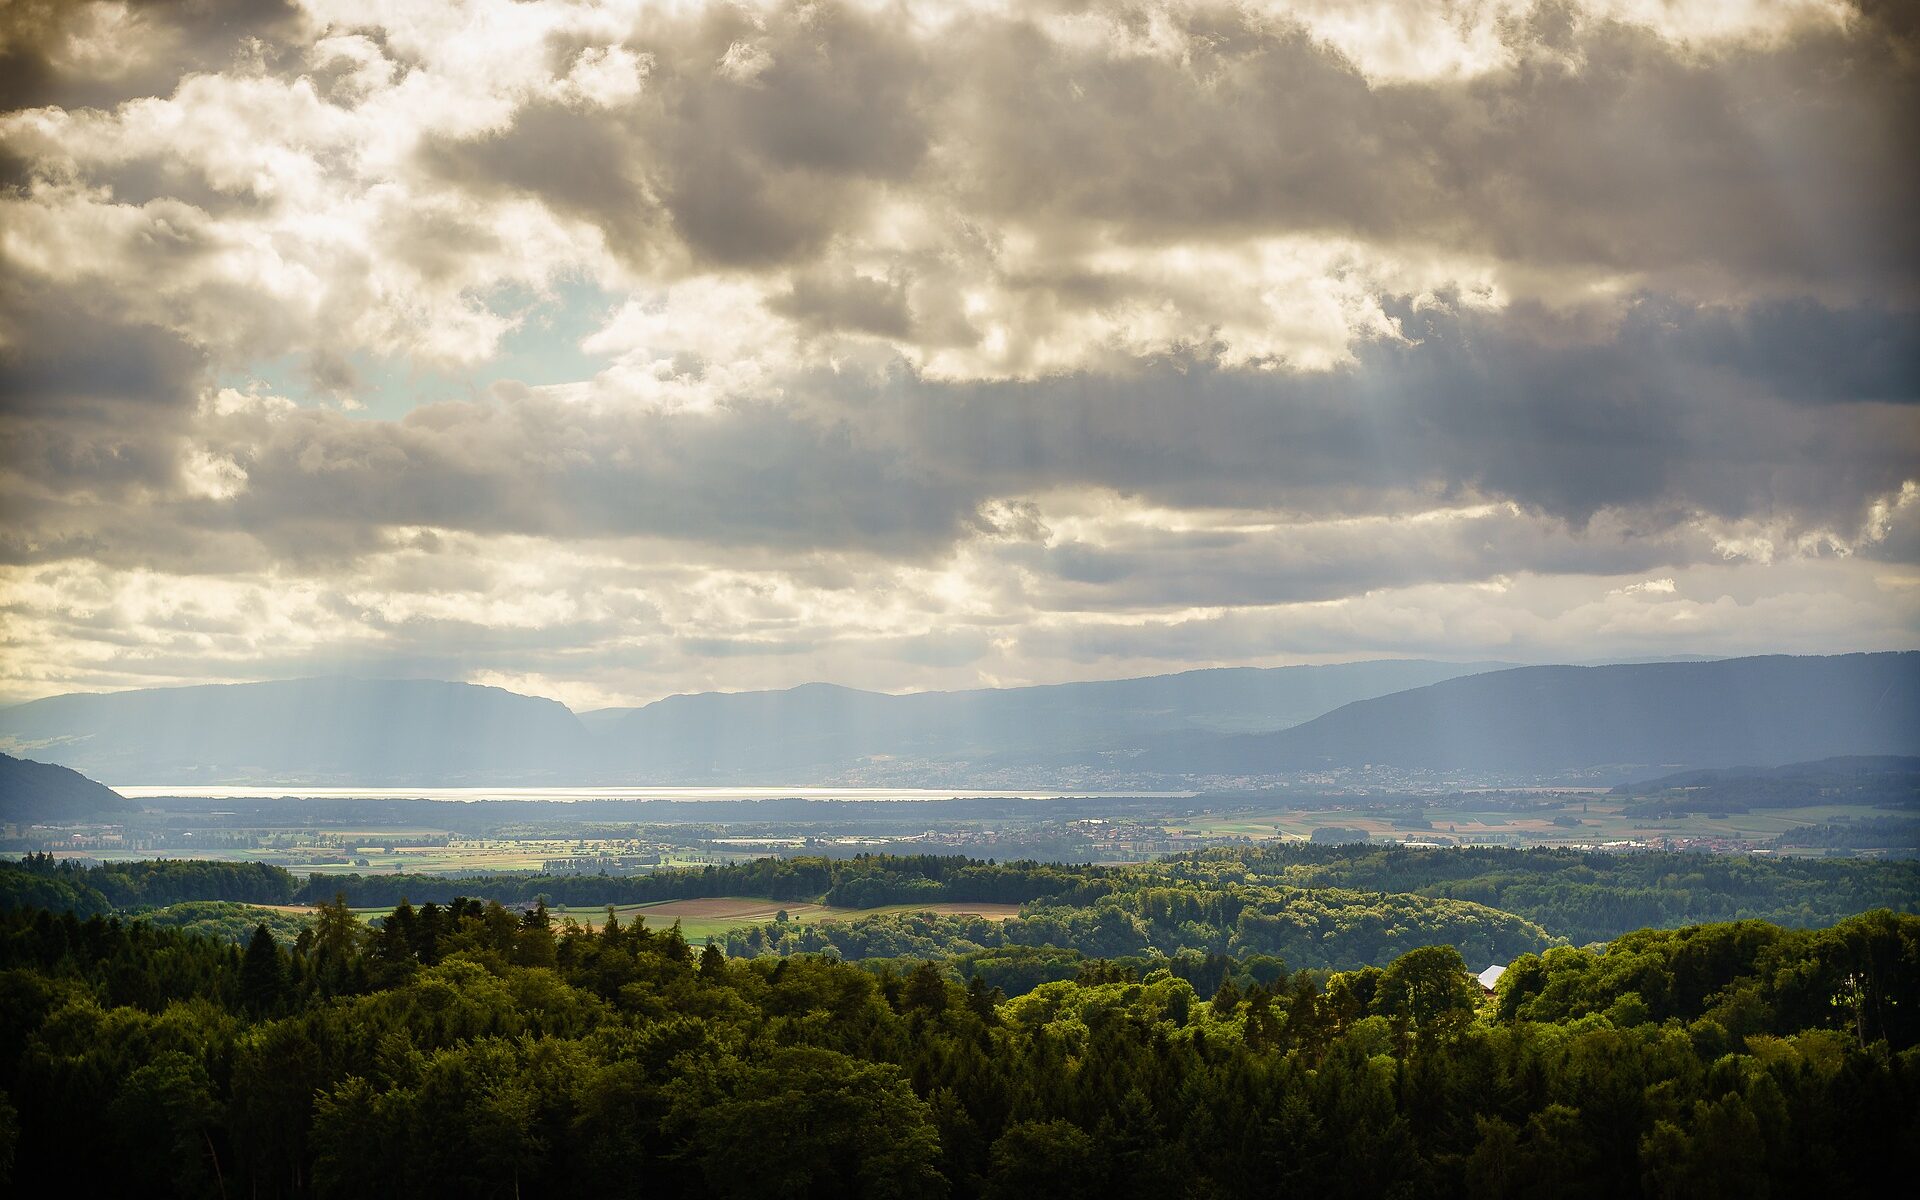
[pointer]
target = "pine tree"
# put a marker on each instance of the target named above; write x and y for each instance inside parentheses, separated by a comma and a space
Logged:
(263, 977)
(398, 935)
(984, 1000)
(1227, 999)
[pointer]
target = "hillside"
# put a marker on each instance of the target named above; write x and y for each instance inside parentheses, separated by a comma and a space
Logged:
(1746, 711)
(316, 731)
(35, 791)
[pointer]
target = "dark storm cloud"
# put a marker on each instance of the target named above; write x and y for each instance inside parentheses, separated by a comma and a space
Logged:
(91, 406)
(1667, 412)
(1667, 418)
(820, 302)
(749, 475)
(174, 38)
(750, 146)
(1164, 569)
(1602, 146)
(1611, 147)
(578, 164)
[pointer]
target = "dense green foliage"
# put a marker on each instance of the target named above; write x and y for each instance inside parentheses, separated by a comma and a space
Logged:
(40, 881)
(475, 1051)
(1747, 977)
(1587, 896)
(1328, 927)
(228, 922)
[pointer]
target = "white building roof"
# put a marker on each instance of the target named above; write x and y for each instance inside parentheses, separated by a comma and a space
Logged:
(1491, 976)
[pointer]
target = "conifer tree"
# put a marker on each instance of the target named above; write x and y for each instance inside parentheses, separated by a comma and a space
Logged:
(263, 977)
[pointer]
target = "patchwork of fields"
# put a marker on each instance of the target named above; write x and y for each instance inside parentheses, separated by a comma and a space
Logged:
(1595, 820)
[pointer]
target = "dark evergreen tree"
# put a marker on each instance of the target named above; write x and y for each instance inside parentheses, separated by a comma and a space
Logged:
(263, 974)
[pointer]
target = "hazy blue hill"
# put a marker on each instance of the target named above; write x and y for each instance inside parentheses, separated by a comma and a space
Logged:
(1745, 711)
(315, 731)
(821, 727)
(36, 791)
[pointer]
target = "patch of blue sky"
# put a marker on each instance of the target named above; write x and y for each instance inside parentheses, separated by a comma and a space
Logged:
(543, 348)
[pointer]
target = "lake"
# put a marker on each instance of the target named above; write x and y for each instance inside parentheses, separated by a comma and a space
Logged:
(567, 794)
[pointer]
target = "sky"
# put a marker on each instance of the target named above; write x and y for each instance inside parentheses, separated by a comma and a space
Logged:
(607, 350)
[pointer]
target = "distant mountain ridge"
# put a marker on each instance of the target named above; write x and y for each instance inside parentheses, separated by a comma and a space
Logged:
(1763, 711)
(348, 732)
(41, 792)
(1190, 729)
(819, 727)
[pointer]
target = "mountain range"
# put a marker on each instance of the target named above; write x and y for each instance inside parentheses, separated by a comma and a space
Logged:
(1761, 711)
(819, 727)
(1191, 729)
(346, 732)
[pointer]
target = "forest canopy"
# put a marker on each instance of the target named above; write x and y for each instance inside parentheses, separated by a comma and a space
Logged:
(471, 1050)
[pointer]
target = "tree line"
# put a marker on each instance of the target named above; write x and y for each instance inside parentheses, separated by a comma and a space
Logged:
(863, 881)
(42, 881)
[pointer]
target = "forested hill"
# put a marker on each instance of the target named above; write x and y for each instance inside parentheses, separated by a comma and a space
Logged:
(1541, 720)
(41, 792)
(467, 1052)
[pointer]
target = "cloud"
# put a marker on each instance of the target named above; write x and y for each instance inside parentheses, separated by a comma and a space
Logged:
(93, 53)
(752, 141)
(1648, 426)
(946, 344)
